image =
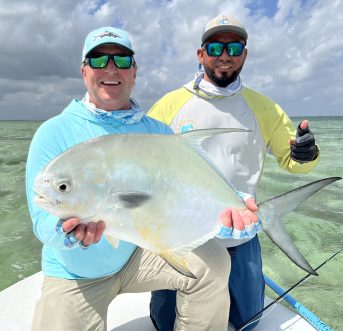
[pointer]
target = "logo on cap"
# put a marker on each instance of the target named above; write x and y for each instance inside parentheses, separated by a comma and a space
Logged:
(224, 21)
(106, 34)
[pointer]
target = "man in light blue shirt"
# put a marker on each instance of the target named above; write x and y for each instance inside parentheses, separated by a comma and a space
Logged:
(82, 271)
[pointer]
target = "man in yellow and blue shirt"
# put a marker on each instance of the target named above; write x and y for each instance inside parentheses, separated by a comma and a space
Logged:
(216, 98)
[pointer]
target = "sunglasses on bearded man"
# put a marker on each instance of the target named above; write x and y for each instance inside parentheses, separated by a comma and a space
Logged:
(217, 48)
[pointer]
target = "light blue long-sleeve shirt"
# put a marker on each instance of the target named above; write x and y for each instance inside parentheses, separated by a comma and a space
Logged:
(74, 125)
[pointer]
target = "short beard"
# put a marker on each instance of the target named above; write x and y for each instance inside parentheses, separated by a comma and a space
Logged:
(225, 79)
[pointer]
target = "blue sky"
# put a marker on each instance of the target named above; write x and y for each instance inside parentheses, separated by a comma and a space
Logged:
(295, 50)
(266, 8)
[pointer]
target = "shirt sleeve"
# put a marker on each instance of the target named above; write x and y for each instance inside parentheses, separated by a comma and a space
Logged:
(277, 129)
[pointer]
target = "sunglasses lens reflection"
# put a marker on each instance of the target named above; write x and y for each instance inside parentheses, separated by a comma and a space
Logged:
(101, 61)
(217, 48)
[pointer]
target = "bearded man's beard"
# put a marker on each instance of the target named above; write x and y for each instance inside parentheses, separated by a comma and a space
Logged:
(225, 79)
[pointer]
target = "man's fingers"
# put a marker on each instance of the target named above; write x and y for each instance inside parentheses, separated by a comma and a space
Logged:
(248, 217)
(303, 129)
(292, 141)
(226, 218)
(86, 233)
(245, 218)
(237, 220)
(251, 204)
(89, 236)
(100, 227)
(93, 233)
(70, 224)
(240, 219)
(305, 139)
(79, 231)
(304, 125)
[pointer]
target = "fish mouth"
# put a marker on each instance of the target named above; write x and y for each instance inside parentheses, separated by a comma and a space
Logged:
(40, 200)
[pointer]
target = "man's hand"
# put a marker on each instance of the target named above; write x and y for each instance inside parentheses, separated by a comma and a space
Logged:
(240, 219)
(87, 234)
(303, 148)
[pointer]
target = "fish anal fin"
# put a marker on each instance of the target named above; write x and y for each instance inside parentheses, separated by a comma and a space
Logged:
(177, 262)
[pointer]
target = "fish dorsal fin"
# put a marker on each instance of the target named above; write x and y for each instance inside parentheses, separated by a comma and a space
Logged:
(177, 262)
(128, 199)
(195, 139)
(272, 211)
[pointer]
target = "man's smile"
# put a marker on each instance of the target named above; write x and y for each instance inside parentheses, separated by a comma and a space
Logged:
(110, 82)
(224, 66)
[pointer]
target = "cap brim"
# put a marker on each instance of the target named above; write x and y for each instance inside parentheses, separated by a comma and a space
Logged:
(131, 51)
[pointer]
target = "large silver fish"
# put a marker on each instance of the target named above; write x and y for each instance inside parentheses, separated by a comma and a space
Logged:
(159, 192)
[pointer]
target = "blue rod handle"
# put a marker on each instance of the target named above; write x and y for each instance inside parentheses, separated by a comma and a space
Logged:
(303, 311)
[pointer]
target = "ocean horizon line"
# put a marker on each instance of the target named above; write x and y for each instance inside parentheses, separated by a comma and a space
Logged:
(292, 117)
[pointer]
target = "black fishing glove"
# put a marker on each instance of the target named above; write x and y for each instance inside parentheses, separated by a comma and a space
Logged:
(304, 149)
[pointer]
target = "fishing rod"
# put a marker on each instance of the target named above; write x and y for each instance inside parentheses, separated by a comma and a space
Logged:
(314, 320)
(300, 308)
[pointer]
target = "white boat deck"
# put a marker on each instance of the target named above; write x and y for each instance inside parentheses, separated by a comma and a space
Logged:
(128, 312)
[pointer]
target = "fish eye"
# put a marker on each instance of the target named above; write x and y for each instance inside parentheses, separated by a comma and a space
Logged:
(64, 185)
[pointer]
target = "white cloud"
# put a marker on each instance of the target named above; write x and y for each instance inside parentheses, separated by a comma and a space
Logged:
(295, 54)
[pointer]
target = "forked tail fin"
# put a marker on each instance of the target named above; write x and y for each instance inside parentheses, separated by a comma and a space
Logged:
(272, 211)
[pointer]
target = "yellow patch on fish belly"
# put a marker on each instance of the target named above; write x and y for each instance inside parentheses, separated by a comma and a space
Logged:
(151, 233)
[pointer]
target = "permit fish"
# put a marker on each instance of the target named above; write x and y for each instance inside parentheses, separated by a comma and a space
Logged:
(160, 192)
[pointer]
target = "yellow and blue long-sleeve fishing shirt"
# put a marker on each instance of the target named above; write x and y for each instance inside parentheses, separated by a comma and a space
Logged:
(239, 156)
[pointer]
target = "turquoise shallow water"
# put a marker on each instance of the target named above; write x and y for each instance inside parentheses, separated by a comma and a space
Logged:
(316, 227)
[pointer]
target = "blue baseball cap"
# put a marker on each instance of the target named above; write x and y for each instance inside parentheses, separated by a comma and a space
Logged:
(106, 35)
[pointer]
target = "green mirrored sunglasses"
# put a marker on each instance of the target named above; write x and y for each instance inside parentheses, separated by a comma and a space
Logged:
(100, 61)
(217, 48)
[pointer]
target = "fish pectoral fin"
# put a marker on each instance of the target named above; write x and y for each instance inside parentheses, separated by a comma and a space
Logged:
(129, 199)
(113, 241)
(177, 262)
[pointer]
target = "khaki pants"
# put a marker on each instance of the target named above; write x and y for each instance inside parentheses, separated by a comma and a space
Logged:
(202, 303)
